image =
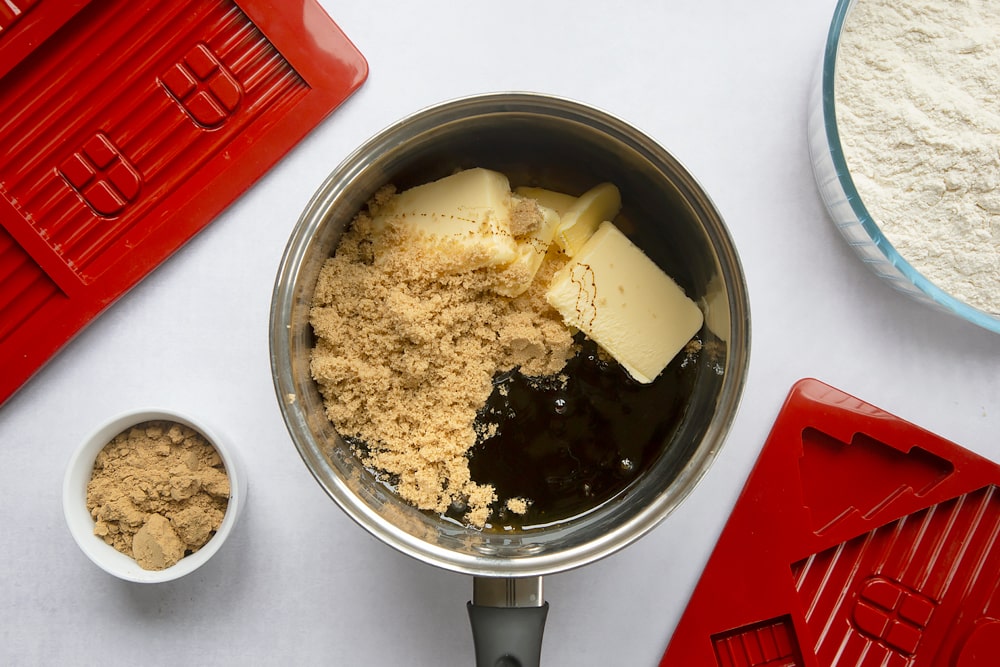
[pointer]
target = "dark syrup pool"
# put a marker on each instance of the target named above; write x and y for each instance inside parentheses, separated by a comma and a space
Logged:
(570, 445)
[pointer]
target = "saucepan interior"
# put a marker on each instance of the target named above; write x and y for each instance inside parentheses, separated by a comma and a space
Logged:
(557, 144)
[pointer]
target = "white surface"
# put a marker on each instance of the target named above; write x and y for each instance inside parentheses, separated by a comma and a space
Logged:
(721, 84)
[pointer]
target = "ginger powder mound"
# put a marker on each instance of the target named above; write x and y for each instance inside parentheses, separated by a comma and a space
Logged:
(158, 492)
(408, 345)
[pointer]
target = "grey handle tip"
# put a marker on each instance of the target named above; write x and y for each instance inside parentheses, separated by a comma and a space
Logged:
(507, 636)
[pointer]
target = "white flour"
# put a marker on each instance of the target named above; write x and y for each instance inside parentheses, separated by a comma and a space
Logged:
(918, 109)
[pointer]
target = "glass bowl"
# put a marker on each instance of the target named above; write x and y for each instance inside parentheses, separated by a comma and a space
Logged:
(845, 206)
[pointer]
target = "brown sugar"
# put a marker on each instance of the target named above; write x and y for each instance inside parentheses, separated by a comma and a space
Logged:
(407, 350)
(158, 492)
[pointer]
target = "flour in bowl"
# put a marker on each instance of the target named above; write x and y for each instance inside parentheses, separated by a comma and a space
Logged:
(918, 111)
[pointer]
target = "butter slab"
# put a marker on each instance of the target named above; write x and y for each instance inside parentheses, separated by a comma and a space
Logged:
(466, 215)
(531, 250)
(557, 201)
(599, 204)
(624, 302)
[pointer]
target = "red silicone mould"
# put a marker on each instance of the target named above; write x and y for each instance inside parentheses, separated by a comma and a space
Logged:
(858, 540)
(125, 128)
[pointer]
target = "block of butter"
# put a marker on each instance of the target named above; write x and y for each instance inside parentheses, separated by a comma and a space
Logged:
(599, 204)
(557, 201)
(531, 250)
(624, 302)
(466, 215)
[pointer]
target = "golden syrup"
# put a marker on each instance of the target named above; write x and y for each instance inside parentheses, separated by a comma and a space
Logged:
(569, 445)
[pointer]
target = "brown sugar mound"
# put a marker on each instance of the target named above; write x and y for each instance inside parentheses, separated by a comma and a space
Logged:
(158, 492)
(407, 350)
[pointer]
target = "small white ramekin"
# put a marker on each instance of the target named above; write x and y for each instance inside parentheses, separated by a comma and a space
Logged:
(81, 523)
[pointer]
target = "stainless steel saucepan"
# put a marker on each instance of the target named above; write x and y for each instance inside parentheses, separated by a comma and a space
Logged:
(561, 145)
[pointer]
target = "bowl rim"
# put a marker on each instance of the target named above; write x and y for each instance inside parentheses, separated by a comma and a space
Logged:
(81, 523)
(533, 564)
(939, 297)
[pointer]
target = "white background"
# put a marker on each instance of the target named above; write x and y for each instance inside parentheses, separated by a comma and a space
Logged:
(721, 84)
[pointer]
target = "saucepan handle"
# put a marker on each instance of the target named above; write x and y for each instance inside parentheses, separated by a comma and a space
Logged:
(508, 618)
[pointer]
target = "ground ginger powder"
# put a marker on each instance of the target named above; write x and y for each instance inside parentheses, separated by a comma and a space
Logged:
(158, 492)
(407, 350)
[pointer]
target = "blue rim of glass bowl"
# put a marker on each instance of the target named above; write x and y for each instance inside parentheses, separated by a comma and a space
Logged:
(932, 293)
